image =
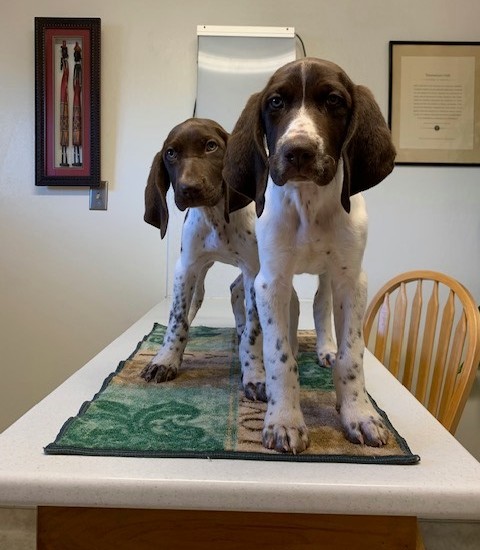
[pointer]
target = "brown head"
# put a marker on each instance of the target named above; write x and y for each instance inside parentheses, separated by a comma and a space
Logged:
(191, 160)
(308, 117)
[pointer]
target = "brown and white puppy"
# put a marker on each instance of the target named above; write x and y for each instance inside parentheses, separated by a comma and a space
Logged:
(304, 148)
(219, 226)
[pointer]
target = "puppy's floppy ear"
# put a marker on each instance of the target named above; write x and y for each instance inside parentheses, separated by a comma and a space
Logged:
(156, 210)
(224, 135)
(245, 167)
(226, 198)
(368, 152)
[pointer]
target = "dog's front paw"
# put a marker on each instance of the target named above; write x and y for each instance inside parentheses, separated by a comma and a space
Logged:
(155, 372)
(326, 356)
(363, 425)
(287, 435)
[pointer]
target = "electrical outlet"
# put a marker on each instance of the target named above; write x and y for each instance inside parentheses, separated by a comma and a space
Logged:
(99, 196)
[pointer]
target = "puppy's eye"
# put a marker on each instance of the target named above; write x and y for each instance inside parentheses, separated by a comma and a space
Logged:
(276, 102)
(170, 154)
(335, 100)
(211, 146)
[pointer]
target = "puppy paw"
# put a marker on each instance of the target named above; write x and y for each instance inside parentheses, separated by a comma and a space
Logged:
(284, 429)
(155, 372)
(364, 425)
(326, 357)
(255, 391)
(285, 439)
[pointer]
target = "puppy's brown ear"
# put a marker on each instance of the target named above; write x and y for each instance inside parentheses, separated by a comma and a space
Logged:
(226, 198)
(156, 210)
(368, 152)
(224, 136)
(233, 200)
(245, 167)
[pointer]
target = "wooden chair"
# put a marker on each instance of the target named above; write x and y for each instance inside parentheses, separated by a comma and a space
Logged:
(436, 361)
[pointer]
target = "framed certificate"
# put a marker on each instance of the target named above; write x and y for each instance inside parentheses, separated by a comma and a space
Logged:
(434, 102)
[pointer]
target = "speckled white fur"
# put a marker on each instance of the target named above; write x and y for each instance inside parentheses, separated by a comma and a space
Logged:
(304, 229)
(207, 238)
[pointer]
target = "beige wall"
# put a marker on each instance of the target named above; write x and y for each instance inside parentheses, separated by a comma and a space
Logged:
(71, 280)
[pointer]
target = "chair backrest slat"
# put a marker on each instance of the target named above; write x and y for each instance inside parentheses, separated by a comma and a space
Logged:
(454, 366)
(382, 328)
(413, 331)
(441, 354)
(427, 345)
(398, 330)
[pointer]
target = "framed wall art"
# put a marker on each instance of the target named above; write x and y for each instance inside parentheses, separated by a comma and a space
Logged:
(67, 101)
(434, 102)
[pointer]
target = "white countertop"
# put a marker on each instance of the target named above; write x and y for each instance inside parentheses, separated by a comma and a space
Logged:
(446, 483)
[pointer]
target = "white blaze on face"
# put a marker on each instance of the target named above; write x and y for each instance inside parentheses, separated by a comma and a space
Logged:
(302, 126)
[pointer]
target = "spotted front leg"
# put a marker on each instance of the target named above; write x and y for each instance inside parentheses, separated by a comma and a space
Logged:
(164, 366)
(284, 426)
(361, 422)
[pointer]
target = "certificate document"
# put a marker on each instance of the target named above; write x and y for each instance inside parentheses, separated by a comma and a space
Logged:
(437, 102)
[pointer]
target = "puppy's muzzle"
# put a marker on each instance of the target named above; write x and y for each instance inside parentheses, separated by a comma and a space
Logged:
(300, 156)
(189, 191)
(299, 159)
(188, 195)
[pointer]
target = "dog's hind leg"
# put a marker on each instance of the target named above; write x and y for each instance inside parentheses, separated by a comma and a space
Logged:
(250, 348)
(199, 293)
(237, 299)
(322, 314)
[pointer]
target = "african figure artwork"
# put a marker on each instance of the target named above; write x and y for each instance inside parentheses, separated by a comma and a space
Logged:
(64, 126)
(67, 101)
(77, 106)
(67, 106)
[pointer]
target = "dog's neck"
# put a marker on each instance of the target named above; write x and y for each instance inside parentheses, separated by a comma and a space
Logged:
(310, 199)
(214, 216)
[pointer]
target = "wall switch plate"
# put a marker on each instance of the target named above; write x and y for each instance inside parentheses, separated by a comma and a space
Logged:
(99, 196)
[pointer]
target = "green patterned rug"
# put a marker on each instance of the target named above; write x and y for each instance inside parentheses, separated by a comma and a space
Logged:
(203, 413)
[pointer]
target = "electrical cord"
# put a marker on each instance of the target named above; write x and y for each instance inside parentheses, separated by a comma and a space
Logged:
(299, 38)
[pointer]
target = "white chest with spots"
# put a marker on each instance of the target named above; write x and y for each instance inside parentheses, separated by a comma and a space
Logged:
(306, 225)
(208, 237)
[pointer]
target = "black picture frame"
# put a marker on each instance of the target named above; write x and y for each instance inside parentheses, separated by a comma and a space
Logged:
(434, 115)
(67, 101)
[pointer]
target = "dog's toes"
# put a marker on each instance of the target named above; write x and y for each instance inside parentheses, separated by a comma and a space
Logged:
(326, 359)
(367, 434)
(354, 434)
(285, 439)
(149, 372)
(165, 373)
(367, 430)
(375, 433)
(256, 392)
(158, 373)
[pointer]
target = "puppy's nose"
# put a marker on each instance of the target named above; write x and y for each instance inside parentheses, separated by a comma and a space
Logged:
(188, 190)
(299, 155)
